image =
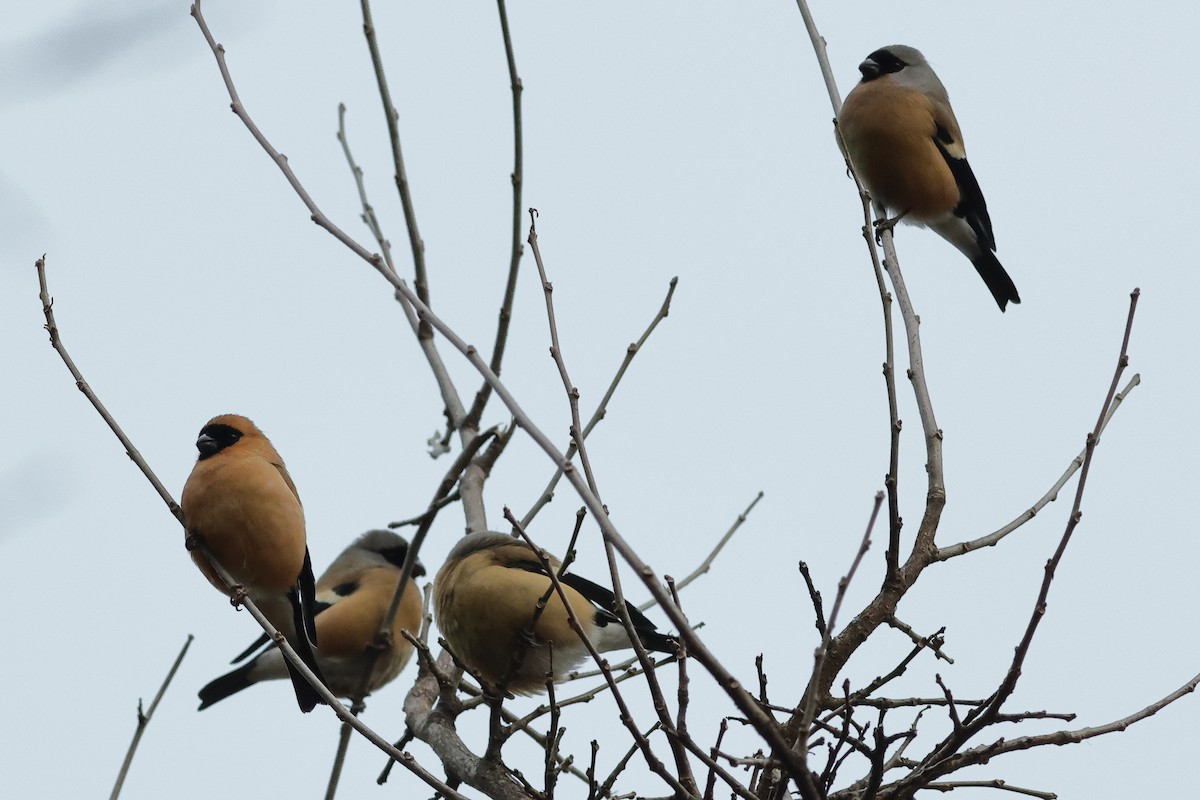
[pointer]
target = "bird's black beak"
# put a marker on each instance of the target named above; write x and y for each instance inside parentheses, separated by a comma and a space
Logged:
(869, 69)
(207, 445)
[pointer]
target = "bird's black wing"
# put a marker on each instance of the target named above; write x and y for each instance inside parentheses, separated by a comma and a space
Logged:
(603, 599)
(259, 642)
(971, 205)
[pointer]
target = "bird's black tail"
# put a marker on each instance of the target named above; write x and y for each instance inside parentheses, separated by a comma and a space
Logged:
(660, 642)
(306, 695)
(227, 684)
(997, 280)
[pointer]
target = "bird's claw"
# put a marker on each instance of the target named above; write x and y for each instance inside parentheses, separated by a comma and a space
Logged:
(885, 224)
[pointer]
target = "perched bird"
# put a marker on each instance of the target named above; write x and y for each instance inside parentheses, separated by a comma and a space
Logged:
(904, 141)
(485, 597)
(241, 505)
(353, 596)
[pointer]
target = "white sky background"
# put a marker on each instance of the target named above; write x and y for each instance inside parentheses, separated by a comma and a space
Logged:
(661, 139)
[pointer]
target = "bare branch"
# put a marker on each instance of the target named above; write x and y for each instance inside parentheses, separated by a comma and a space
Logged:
(933, 642)
(993, 784)
(144, 719)
(706, 564)
(389, 111)
(815, 596)
(602, 408)
(368, 215)
(556, 354)
(919, 645)
(82, 385)
(810, 695)
(950, 551)
(818, 43)
(606, 787)
(514, 260)
(449, 499)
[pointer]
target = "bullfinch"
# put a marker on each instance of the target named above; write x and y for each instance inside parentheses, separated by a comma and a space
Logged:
(904, 141)
(353, 596)
(241, 505)
(485, 597)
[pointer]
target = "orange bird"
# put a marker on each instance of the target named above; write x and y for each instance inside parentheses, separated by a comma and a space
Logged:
(241, 504)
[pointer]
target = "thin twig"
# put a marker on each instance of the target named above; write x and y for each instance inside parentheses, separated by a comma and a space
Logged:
(818, 43)
(919, 645)
(815, 597)
(131, 451)
(339, 757)
(430, 511)
(383, 637)
(553, 738)
(559, 361)
(706, 564)
(420, 280)
(602, 408)
(711, 782)
(368, 215)
(949, 786)
(516, 249)
(606, 787)
(961, 548)
(933, 642)
(144, 719)
(620, 673)
(440, 374)
(810, 697)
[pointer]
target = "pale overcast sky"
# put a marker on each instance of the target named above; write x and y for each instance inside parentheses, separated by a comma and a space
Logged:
(664, 139)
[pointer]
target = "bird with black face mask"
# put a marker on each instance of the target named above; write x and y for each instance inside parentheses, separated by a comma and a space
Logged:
(241, 505)
(352, 599)
(904, 141)
(485, 597)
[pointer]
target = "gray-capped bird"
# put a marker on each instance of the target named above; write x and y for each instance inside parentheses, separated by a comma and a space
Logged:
(352, 599)
(904, 141)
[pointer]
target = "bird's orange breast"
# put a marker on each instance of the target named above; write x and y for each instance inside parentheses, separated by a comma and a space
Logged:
(249, 519)
(889, 132)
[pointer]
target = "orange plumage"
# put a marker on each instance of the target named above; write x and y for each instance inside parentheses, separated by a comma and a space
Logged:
(241, 505)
